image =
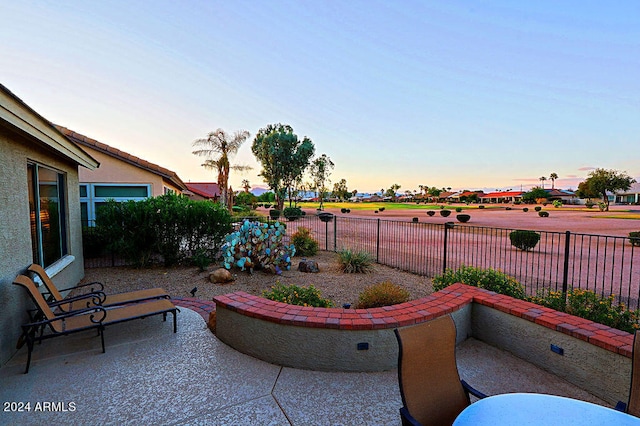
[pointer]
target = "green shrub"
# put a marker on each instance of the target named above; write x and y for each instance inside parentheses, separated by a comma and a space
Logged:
(543, 214)
(304, 243)
(381, 209)
(634, 238)
(170, 227)
(445, 213)
(431, 213)
(489, 279)
(481, 206)
(589, 305)
(274, 214)
(537, 208)
(257, 245)
(458, 209)
(294, 295)
(292, 213)
(557, 203)
(524, 240)
(507, 208)
(463, 218)
(202, 259)
(382, 294)
(525, 209)
(589, 204)
(355, 261)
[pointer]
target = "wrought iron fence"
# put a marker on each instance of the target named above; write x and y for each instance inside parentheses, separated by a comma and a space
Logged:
(560, 261)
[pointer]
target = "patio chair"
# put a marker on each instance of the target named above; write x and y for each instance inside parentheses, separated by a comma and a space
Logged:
(430, 386)
(633, 405)
(95, 317)
(95, 296)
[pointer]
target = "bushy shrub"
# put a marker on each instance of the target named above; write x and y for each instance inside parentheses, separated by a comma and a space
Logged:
(525, 209)
(445, 213)
(543, 214)
(441, 207)
(355, 261)
(381, 209)
(169, 227)
(274, 214)
(383, 294)
(304, 243)
(524, 240)
(537, 208)
(463, 218)
(258, 246)
(589, 204)
(634, 238)
(343, 210)
(517, 202)
(458, 209)
(431, 213)
(481, 206)
(292, 213)
(201, 259)
(294, 295)
(507, 208)
(489, 279)
(589, 305)
(557, 203)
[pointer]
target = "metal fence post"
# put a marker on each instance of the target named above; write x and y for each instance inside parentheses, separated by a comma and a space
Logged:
(447, 226)
(565, 272)
(326, 235)
(378, 243)
(335, 233)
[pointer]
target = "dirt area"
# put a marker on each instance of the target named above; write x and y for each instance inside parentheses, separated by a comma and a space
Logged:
(575, 219)
(179, 281)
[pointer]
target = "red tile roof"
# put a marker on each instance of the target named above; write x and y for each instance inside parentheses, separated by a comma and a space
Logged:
(208, 190)
(503, 194)
(123, 156)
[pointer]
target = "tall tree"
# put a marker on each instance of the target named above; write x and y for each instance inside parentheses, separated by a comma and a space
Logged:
(553, 176)
(218, 148)
(391, 192)
(245, 185)
(320, 171)
(601, 181)
(341, 191)
(283, 156)
(542, 179)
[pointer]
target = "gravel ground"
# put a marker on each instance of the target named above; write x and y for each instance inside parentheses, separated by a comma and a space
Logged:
(179, 281)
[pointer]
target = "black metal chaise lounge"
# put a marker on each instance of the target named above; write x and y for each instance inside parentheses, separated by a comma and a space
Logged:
(95, 295)
(95, 317)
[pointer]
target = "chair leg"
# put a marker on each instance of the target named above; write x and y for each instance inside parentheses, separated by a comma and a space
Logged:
(30, 341)
(101, 331)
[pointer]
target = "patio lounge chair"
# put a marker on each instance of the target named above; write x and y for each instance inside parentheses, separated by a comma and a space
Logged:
(633, 405)
(430, 386)
(95, 296)
(96, 317)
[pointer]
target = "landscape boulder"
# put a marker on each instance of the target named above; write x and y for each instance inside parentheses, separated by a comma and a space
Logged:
(308, 266)
(220, 276)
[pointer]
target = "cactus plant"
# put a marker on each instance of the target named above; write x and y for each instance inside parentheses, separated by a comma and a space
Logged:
(257, 245)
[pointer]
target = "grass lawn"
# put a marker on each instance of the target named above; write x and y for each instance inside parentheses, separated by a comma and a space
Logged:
(391, 206)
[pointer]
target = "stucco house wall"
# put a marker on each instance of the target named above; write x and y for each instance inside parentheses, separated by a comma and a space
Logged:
(27, 137)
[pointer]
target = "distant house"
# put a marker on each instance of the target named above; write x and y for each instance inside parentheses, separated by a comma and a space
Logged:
(567, 197)
(39, 207)
(203, 190)
(502, 197)
(463, 196)
(121, 176)
(632, 196)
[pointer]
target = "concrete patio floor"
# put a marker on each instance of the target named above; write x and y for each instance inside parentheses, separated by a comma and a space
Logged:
(149, 375)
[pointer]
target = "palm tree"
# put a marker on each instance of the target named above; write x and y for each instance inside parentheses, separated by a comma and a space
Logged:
(553, 176)
(218, 147)
(542, 179)
(246, 185)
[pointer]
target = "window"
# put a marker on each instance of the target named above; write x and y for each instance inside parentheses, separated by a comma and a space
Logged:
(47, 213)
(93, 195)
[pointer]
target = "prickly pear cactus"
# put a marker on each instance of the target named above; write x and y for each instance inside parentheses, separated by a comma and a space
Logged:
(257, 246)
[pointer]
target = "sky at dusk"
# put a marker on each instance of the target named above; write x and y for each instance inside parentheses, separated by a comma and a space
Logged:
(461, 94)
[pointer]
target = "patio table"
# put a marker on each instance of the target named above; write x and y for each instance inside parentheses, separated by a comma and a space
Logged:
(523, 409)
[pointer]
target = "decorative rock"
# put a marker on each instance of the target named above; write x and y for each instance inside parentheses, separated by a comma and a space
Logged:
(220, 276)
(308, 266)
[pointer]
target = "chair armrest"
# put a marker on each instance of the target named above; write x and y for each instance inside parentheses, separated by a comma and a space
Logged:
(471, 390)
(95, 309)
(97, 298)
(98, 285)
(621, 406)
(407, 419)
